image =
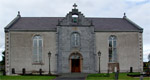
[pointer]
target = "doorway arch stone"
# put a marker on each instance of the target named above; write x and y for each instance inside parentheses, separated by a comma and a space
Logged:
(75, 60)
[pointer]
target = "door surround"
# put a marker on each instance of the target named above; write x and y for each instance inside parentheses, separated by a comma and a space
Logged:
(75, 56)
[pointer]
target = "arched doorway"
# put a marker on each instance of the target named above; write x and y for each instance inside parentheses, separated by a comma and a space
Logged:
(75, 62)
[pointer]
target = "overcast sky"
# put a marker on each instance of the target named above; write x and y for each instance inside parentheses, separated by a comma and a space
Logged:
(136, 10)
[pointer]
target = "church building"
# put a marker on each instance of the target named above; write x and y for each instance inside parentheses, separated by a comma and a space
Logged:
(72, 44)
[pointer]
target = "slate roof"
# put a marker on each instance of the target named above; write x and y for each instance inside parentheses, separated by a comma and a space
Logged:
(50, 23)
(114, 24)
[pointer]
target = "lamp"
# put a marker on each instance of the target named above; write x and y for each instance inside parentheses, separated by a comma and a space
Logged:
(49, 55)
(99, 54)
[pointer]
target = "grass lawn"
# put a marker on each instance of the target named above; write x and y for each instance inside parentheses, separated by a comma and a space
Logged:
(122, 76)
(27, 77)
(1, 73)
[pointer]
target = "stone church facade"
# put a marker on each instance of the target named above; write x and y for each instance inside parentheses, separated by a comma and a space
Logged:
(74, 42)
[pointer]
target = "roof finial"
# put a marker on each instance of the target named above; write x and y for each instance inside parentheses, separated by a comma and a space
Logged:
(124, 15)
(74, 5)
(18, 13)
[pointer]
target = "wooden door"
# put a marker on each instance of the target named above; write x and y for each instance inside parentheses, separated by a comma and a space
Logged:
(75, 65)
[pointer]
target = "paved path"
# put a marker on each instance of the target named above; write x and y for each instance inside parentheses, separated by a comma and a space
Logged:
(72, 76)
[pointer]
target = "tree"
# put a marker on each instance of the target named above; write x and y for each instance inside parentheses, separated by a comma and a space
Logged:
(2, 63)
(149, 63)
(149, 57)
(3, 58)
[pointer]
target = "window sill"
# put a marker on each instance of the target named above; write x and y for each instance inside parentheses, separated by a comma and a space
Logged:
(112, 62)
(37, 63)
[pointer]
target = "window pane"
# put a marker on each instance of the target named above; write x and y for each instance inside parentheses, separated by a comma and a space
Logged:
(75, 20)
(114, 38)
(34, 43)
(40, 54)
(39, 37)
(110, 38)
(78, 40)
(110, 43)
(35, 37)
(115, 54)
(114, 44)
(110, 54)
(35, 58)
(110, 59)
(112, 49)
(40, 43)
(72, 40)
(37, 49)
(73, 57)
(35, 54)
(40, 50)
(75, 39)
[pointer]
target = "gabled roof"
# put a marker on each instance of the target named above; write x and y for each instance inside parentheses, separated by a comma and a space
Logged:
(115, 24)
(51, 23)
(35, 23)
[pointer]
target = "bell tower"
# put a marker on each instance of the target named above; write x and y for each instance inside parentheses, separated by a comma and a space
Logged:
(75, 18)
(75, 34)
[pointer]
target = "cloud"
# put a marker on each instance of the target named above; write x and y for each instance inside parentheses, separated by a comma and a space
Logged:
(1, 50)
(145, 56)
(146, 52)
(136, 0)
(139, 13)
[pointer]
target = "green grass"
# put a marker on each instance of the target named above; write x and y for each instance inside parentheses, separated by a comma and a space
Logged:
(122, 76)
(27, 77)
(1, 73)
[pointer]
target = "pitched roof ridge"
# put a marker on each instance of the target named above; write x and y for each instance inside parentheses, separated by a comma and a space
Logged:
(85, 17)
(42, 17)
(49, 23)
(104, 17)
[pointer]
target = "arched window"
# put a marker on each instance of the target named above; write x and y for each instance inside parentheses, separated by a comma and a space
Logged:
(112, 49)
(37, 49)
(74, 18)
(75, 39)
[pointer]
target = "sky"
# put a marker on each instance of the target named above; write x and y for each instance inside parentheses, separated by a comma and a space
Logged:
(136, 10)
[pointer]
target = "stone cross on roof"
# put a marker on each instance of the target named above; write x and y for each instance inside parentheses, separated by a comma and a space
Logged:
(124, 14)
(18, 13)
(74, 5)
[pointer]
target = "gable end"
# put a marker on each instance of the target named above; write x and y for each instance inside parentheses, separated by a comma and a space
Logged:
(12, 23)
(134, 24)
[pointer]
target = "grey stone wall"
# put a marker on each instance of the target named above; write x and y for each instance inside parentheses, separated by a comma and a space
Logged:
(86, 48)
(128, 50)
(7, 53)
(21, 51)
(19, 48)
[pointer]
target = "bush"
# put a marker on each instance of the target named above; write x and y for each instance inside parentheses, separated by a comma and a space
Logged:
(133, 74)
(99, 75)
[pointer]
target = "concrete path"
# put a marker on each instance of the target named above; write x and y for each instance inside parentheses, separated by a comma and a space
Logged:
(72, 76)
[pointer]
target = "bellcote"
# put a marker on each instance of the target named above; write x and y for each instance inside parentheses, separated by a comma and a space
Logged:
(75, 18)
